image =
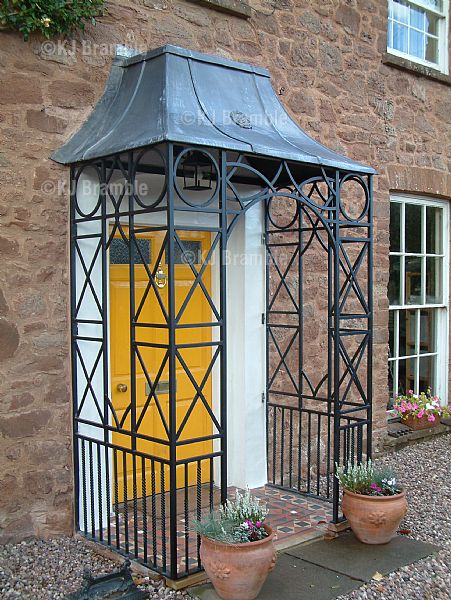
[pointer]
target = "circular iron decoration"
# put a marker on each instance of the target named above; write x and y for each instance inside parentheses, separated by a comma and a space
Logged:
(142, 187)
(318, 192)
(87, 191)
(283, 209)
(241, 119)
(356, 179)
(209, 163)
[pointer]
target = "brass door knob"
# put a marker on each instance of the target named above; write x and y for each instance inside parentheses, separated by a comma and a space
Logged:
(121, 387)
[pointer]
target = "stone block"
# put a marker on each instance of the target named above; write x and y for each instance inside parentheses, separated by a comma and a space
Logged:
(39, 119)
(18, 89)
(24, 424)
(75, 95)
(9, 337)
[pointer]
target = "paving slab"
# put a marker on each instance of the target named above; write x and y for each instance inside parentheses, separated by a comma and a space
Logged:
(294, 579)
(348, 556)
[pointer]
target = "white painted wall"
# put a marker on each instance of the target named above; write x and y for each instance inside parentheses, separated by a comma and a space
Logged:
(87, 195)
(246, 353)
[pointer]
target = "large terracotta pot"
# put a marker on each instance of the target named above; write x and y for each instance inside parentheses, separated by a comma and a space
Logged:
(415, 423)
(374, 519)
(238, 571)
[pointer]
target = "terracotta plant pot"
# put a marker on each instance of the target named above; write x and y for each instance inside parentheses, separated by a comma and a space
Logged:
(416, 424)
(374, 519)
(238, 571)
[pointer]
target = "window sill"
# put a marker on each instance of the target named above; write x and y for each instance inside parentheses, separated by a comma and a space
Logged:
(232, 7)
(409, 65)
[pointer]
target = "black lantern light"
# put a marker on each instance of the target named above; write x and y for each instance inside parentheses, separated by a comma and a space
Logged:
(198, 168)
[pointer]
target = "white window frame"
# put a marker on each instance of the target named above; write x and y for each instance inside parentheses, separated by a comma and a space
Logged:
(443, 28)
(442, 350)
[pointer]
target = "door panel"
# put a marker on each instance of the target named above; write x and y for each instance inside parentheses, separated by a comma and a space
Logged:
(196, 360)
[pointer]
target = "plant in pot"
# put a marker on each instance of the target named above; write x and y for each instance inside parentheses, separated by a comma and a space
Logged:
(373, 501)
(237, 549)
(419, 411)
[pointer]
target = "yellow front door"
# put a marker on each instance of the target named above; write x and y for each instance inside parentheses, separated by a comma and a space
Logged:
(152, 420)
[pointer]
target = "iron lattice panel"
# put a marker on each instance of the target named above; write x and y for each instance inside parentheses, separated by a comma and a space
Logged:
(318, 394)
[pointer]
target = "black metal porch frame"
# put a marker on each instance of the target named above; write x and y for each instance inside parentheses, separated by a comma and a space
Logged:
(147, 526)
(348, 423)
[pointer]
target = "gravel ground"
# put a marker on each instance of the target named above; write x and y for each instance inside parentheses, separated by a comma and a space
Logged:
(49, 570)
(424, 469)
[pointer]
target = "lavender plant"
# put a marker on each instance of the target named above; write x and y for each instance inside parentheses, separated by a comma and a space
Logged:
(366, 479)
(238, 521)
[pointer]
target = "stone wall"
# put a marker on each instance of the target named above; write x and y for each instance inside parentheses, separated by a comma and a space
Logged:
(326, 63)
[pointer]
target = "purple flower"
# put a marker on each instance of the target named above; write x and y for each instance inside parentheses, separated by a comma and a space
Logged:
(258, 524)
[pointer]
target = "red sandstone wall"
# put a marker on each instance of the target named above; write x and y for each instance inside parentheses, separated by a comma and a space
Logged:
(325, 60)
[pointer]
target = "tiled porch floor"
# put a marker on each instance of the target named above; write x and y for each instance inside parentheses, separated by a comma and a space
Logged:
(292, 515)
(294, 518)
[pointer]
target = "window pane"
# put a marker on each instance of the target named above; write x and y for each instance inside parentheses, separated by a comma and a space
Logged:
(120, 252)
(428, 330)
(431, 49)
(434, 230)
(394, 285)
(413, 280)
(406, 375)
(432, 22)
(414, 214)
(391, 378)
(190, 255)
(417, 18)
(400, 33)
(407, 332)
(437, 4)
(391, 333)
(416, 44)
(427, 372)
(434, 280)
(395, 227)
(401, 11)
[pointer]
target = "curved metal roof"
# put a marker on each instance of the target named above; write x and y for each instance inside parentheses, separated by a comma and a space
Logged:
(177, 95)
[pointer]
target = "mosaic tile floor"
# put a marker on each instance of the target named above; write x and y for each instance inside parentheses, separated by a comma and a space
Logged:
(291, 514)
(294, 518)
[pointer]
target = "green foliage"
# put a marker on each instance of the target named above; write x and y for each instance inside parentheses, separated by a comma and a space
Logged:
(239, 521)
(49, 17)
(365, 479)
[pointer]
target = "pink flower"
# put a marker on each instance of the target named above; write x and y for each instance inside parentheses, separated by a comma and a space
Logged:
(431, 418)
(258, 524)
(421, 413)
(415, 406)
(410, 392)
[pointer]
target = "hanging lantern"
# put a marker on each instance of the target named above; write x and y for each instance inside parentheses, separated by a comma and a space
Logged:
(160, 277)
(197, 171)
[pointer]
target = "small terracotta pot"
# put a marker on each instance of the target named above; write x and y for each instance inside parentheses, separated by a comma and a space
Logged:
(416, 424)
(374, 519)
(238, 571)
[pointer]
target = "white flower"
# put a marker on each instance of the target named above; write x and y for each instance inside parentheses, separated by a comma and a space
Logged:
(429, 406)
(389, 482)
(245, 525)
